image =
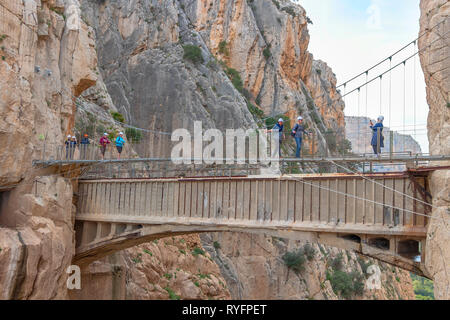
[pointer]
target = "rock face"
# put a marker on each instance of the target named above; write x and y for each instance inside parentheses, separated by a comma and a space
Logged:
(251, 52)
(47, 57)
(172, 268)
(254, 269)
(267, 42)
(435, 63)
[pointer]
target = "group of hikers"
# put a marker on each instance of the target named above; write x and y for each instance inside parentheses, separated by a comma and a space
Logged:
(297, 133)
(299, 129)
(71, 145)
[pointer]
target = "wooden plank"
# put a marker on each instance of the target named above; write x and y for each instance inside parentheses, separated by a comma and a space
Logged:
(240, 200)
(299, 194)
(188, 199)
(342, 201)
(176, 199)
(379, 197)
(213, 200)
(398, 199)
(369, 207)
(165, 199)
(360, 203)
(284, 201)
(333, 202)
(232, 204)
(246, 202)
(219, 200)
(260, 195)
(409, 204)
(315, 200)
(388, 216)
(254, 188)
(182, 200)
(291, 200)
(199, 200)
(276, 201)
(170, 198)
(307, 202)
(268, 201)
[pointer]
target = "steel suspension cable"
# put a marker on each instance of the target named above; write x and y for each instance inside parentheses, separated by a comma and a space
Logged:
(400, 63)
(392, 55)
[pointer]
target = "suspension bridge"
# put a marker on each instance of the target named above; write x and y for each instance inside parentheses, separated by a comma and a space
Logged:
(347, 200)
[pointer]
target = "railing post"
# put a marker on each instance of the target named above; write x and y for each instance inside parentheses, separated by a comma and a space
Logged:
(391, 143)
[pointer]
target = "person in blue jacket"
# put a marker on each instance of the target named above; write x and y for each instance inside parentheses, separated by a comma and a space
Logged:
(278, 128)
(119, 143)
(297, 133)
(377, 129)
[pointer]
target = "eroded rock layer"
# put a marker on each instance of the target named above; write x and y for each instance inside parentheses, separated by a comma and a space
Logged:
(435, 60)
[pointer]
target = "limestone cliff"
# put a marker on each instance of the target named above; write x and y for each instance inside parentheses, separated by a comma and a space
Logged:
(253, 268)
(47, 58)
(435, 61)
(129, 57)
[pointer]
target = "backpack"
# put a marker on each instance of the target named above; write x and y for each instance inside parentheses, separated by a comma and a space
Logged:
(293, 133)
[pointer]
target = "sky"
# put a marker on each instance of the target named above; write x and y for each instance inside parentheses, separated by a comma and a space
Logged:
(353, 35)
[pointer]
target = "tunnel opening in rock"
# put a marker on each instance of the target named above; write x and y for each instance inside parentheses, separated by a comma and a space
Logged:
(410, 249)
(352, 237)
(4, 196)
(380, 243)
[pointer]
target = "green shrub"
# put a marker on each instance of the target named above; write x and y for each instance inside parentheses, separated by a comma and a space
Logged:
(423, 288)
(235, 78)
(148, 252)
(168, 276)
(197, 251)
(255, 110)
(289, 10)
(118, 116)
(330, 137)
(267, 53)
(337, 263)
(276, 3)
(216, 245)
(346, 284)
(193, 53)
(223, 48)
(172, 295)
(295, 260)
(364, 265)
(309, 251)
(134, 135)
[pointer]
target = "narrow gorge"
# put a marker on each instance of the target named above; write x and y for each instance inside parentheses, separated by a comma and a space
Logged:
(71, 66)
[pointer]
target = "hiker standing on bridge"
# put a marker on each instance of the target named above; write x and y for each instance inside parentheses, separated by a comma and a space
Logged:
(84, 145)
(70, 148)
(278, 128)
(377, 137)
(297, 133)
(119, 143)
(104, 141)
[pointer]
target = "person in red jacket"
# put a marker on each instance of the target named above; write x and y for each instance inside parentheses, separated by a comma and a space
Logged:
(104, 141)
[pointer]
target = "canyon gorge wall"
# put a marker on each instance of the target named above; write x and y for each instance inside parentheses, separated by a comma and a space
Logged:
(129, 57)
(435, 60)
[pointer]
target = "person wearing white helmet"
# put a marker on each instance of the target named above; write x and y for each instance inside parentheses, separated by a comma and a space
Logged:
(279, 126)
(377, 137)
(104, 141)
(297, 133)
(68, 144)
(119, 143)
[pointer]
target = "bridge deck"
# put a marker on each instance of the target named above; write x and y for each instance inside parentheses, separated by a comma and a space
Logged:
(336, 202)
